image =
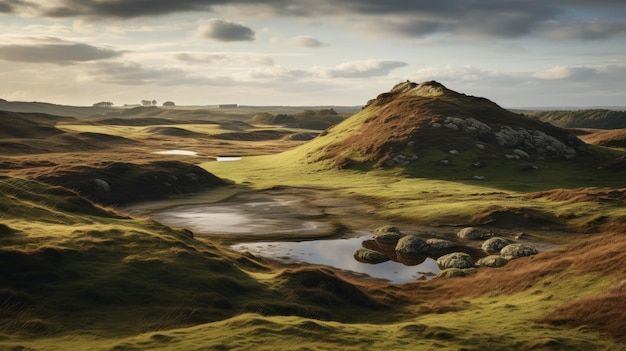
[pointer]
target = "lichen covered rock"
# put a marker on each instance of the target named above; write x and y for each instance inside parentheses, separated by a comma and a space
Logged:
(411, 244)
(439, 244)
(495, 244)
(456, 260)
(517, 250)
(369, 256)
(492, 261)
(470, 233)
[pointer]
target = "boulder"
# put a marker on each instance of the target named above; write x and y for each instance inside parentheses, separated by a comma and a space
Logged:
(492, 261)
(495, 244)
(517, 250)
(439, 244)
(456, 260)
(470, 233)
(102, 185)
(411, 244)
(369, 256)
(387, 233)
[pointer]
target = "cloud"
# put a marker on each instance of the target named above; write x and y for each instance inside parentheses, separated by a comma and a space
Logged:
(224, 30)
(465, 18)
(306, 41)
(133, 73)
(567, 73)
(359, 69)
(581, 30)
(53, 50)
(223, 59)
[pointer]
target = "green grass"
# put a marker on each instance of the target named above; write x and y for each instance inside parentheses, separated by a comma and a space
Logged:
(435, 195)
(491, 322)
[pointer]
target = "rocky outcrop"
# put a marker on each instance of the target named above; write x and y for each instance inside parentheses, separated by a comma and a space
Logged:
(411, 245)
(369, 256)
(533, 141)
(456, 260)
(517, 250)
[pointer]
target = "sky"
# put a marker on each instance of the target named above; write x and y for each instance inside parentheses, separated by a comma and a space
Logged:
(517, 53)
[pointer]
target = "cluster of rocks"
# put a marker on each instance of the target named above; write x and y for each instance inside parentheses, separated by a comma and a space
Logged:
(403, 245)
(500, 251)
(451, 258)
(401, 159)
(523, 141)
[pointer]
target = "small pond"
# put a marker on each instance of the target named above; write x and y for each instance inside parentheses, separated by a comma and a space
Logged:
(339, 253)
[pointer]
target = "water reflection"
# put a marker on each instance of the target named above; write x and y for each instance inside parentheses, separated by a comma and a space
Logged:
(338, 253)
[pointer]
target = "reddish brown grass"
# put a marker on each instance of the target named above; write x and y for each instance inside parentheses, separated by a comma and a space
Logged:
(603, 254)
(582, 195)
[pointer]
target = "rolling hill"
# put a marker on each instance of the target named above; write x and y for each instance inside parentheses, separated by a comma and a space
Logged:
(397, 126)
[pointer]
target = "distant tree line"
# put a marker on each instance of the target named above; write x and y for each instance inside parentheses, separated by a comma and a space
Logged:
(597, 118)
(309, 119)
(103, 104)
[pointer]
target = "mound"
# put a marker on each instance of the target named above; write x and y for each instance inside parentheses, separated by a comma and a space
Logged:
(119, 183)
(398, 126)
(256, 135)
(174, 131)
(29, 125)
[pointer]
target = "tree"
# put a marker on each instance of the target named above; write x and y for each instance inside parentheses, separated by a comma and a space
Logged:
(103, 104)
(169, 103)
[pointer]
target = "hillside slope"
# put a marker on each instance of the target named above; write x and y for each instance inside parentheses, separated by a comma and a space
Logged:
(601, 119)
(398, 126)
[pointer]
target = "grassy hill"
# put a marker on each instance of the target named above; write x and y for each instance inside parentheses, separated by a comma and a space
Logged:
(600, 119)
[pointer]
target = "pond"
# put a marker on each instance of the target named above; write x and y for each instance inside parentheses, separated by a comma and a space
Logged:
(297, 225)
(339, 254)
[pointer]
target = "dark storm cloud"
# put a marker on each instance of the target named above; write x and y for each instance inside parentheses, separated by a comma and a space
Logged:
(138, 8)
(225, 30)
(405, 18)
(13, 6)
(52, 50)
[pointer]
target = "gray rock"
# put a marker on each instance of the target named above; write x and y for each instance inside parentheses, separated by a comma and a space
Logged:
(387, 233)
(456, 260)
(103, 185)
(369, 256)
(439, 244)
(493, 261)
(470, 233)
(517, 250)
(495, 244)
(469, 126)
(411, 244)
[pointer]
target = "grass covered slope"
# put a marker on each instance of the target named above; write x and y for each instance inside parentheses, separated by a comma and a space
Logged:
(598, 118)
(436, 157)
(68, 266)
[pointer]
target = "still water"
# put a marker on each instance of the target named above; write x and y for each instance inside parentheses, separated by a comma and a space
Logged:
(339, 253)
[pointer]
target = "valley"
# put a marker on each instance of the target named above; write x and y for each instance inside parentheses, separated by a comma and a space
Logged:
(126, 230)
